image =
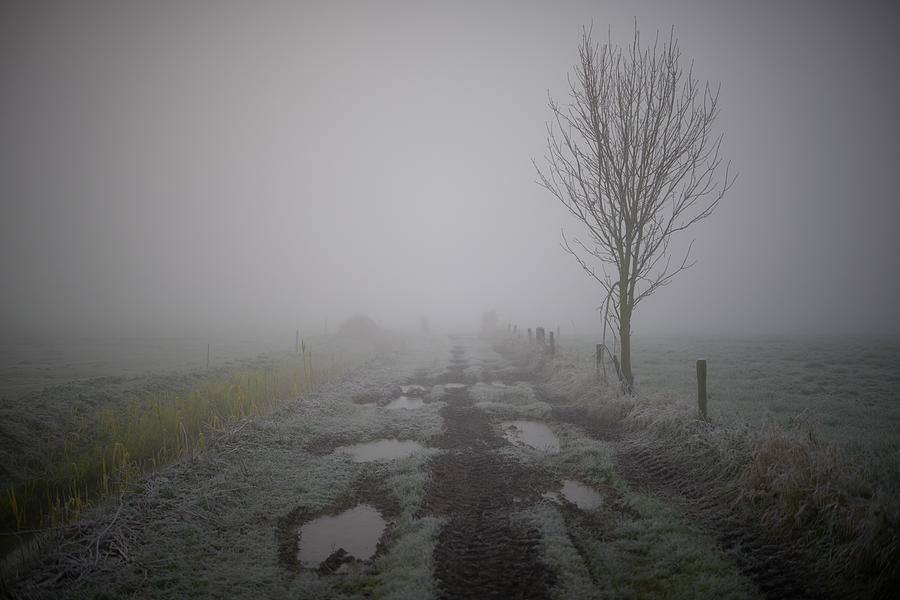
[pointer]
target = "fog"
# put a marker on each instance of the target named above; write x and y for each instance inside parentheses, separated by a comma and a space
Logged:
(195, 167)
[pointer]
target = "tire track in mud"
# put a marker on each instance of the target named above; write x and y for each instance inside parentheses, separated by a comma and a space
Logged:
(773, 568)
(482, 551)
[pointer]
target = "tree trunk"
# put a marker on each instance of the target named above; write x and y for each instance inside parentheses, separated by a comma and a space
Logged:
(625, 337)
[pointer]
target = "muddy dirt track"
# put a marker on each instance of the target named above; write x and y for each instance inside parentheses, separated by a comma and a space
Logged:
(488, 519)
(481, 551)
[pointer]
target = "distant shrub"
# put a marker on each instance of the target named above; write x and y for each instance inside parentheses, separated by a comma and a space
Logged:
(360, 327)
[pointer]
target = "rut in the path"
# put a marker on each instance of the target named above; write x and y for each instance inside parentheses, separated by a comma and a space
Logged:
(777, 573)
(483, 551)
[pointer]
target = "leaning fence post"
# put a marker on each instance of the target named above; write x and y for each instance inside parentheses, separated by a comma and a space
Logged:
(701, 387)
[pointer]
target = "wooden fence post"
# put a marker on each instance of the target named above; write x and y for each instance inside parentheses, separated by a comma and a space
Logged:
(701, 387)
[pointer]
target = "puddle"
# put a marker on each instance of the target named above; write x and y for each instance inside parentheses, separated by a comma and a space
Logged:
(405, 402)
(531, 433)
(454, 386)
(357, 531)
(580, 495)
(413, 390)
(380, 450)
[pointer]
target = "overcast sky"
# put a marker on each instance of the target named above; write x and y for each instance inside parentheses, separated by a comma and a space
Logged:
(186, 167)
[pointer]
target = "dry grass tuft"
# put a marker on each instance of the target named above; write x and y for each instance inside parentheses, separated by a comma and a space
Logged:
(831, 503)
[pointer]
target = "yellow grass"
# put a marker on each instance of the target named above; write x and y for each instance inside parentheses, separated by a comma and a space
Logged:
(105, 452)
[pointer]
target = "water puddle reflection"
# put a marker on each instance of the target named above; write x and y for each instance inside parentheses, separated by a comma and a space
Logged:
(380, 450)
(580, 495)
(357, 531)
(405, 402)
(530, 433)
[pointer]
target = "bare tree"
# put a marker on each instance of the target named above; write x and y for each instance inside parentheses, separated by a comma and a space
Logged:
(633, 156)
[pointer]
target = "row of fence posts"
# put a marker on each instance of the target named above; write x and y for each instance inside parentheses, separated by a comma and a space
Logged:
(540, 336)
(701, 377)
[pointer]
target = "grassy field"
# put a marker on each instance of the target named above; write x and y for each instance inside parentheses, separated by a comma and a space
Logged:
(802, 439)
(182, 530)
(850, 386)
(770, 455)
(66, 445)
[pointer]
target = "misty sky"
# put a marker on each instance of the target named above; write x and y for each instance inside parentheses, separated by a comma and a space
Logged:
(192, 166)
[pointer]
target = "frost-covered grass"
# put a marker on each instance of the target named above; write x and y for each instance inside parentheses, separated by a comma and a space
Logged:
(208, 524)
(632, 545)
(853, 384)
(831, 496)
(54, 473)
(573, 577)
(659, 554)
(652, 553)
(508, 402)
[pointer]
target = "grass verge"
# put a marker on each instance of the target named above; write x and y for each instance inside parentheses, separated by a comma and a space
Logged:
(80, 455)
(835, 505)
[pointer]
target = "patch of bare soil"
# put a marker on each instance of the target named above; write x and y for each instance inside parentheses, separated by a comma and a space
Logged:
(482, 551)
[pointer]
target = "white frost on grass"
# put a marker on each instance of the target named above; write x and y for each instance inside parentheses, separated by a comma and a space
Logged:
(405, 573)
(573, 578)
(503, 410)
(406, 478)
(473, 373)
(582, 458)
(320, 481)
(478, 350)
(519, 394)
(437, 392)
(508, 401)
